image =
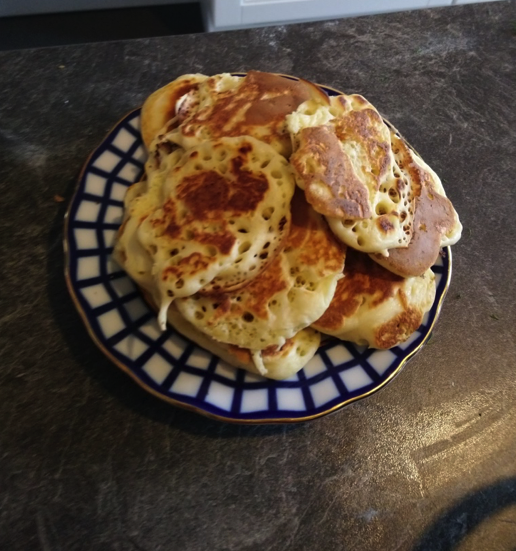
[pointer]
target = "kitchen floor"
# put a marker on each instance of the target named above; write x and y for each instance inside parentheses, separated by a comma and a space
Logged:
(34, 31)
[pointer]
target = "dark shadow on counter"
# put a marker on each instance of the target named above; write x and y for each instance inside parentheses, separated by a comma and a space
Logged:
(81, 27)
(100, 368)
(452, 527)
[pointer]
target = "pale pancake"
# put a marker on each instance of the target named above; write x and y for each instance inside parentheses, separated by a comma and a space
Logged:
(254, 105)
(374, 307)
(128, 251)
(344, 163)
(210, 218)
(273, 362)
(291, 293)
(436, 223)
(160, 108)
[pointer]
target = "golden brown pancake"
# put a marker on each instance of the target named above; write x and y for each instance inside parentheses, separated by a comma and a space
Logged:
(255, 105)
(159, 108)
(374, 307)
(291, 293)
(348, 172)
(211, 218)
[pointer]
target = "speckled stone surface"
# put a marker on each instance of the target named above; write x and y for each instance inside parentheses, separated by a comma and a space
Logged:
(89, 461)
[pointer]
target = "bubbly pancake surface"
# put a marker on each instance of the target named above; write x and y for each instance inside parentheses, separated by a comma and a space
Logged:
(273, 362)
(374, 307)
(349, 173)
(211, 218)
(292, 292)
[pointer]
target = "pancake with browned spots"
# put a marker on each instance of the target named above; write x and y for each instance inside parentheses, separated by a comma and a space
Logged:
(210, 218)
(291, 293)
(161, 107)
(253, 105)
(210, 225)
(374, 307)
(436, 223)
(344, 163)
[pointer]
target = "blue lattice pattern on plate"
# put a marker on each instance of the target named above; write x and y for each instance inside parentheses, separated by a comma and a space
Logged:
(168, 364)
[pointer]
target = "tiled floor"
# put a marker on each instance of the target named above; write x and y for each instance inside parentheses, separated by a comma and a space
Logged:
(97, 26)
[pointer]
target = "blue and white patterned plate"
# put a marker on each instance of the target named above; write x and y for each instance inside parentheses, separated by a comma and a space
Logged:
(169, 365)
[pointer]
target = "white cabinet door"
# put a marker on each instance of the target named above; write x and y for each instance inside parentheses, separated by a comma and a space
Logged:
(472, 1)
(237, 14)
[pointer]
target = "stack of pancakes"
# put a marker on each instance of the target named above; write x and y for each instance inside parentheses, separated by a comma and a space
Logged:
(270, 213)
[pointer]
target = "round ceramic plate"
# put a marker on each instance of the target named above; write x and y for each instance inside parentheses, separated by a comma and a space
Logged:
(169, 365)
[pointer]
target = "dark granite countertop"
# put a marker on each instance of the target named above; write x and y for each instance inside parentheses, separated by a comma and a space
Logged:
(89, 461)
